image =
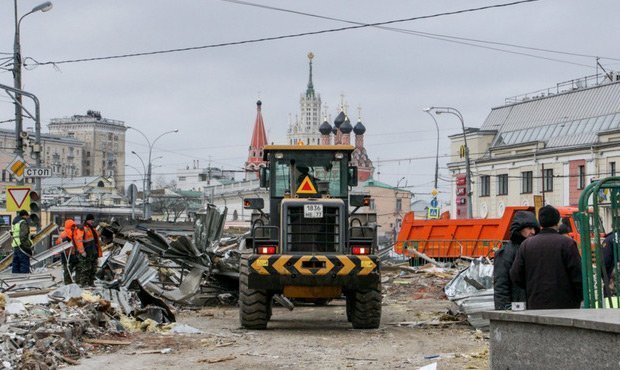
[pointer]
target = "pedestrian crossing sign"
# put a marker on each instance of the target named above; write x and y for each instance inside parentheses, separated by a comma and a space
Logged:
(433, 212)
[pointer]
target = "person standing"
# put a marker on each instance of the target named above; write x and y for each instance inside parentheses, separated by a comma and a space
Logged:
(22, 245)
(92, 246)
(609, 261)
(548, 266)
(505, 292)
(69, 258)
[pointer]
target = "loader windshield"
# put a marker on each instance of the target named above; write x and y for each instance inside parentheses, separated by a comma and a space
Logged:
(322, 169)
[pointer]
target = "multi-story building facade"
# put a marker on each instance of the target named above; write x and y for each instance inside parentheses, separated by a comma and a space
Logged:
(389, 203)
(548, 146)
(195, 178)
(103, 153)
(63, 155)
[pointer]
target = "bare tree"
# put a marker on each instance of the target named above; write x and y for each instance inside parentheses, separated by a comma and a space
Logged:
(171, 206)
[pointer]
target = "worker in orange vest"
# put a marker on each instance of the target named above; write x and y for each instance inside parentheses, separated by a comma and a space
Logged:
(92, 246)
(69, 258)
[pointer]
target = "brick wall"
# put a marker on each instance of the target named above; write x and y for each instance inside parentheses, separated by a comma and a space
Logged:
(573, 189)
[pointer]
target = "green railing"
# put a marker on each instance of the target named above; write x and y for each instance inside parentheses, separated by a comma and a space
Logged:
(588, 221)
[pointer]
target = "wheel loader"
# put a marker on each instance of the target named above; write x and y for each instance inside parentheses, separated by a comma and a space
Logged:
(312, 244)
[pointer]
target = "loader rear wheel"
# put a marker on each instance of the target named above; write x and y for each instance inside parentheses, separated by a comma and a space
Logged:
(254, 305)
(366, 309)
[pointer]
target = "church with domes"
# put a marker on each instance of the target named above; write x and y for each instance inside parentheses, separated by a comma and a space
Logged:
(308, 130)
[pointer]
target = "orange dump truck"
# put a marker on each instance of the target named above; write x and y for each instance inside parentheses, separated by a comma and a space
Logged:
(448, 239)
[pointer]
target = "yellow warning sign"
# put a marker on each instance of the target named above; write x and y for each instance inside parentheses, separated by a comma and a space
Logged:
(17, 167)
(17, 198)
(306, 187)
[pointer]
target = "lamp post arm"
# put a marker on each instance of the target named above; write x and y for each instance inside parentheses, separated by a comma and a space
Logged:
(457, 113)
(437, 150)
(141, 161)
(141, 133)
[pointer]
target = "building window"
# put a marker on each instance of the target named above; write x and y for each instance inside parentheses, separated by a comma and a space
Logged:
(548, 180)
(502, 184)
(485, 186)
(582, 177)
(612, 168)
(371, 205)
(399, 205)
(527, 182)
(182, 178)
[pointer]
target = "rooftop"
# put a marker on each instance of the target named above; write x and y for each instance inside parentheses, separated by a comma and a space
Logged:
(571, 118)
(90, 117)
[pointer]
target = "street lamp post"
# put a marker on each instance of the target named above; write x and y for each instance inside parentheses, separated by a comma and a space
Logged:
(17, 74)
(142, 174)
(428, 110)
(147, 206)
(455, 112)
(143, 183)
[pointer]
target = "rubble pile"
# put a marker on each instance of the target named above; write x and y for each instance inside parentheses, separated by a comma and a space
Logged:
(174, 268)
(413, 283)
(48, 334)
(472, 291)
(144, 276)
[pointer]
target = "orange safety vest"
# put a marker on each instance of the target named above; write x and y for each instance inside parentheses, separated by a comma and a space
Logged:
(91, 235)
(76, 235)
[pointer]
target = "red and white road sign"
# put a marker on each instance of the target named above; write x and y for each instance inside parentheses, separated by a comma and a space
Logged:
(17, 197)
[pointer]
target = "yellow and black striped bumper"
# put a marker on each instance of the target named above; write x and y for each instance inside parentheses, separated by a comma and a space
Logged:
(277, 271)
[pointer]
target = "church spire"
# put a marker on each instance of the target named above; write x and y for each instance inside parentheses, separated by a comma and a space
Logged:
(310, 89)
(259, 140)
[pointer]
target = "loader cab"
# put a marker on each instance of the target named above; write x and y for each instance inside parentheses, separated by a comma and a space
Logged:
(309, 172)
(309, 197)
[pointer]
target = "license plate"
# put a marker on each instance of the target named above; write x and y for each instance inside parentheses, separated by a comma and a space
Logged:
(313, 210)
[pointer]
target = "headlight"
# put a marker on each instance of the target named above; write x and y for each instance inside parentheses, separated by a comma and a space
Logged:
(279, 155)
(339, 155)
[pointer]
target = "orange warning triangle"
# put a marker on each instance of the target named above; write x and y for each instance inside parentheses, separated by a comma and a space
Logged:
(306, 187)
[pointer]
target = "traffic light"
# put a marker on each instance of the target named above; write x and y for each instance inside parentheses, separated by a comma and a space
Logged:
(35, 208)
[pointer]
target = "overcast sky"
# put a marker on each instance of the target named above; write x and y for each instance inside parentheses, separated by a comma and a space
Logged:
(210, 94)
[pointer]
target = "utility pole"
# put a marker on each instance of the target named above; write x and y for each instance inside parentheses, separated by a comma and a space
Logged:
(17, 84)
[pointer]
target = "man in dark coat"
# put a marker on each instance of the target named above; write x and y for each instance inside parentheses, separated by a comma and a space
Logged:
(609, 261)
(505, 292)
(548, 266)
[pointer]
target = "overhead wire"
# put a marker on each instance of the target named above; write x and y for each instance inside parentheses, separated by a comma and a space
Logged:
(447, 38)
(289, 36)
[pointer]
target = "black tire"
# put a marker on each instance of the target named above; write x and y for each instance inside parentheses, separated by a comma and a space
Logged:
(366, 309)
(254, 305)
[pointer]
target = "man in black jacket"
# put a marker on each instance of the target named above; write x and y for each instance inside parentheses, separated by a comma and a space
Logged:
(548, 266)
(523, 225)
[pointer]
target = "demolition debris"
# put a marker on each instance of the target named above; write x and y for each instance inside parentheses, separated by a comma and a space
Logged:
(145, 276)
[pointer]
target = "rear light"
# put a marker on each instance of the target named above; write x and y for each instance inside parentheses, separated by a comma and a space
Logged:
(360, 250)
(266, 249)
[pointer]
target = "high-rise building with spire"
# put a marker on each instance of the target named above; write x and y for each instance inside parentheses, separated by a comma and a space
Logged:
(306, 126)
(255, 151)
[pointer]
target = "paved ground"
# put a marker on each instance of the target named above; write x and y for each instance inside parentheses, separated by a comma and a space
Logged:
(308, 337)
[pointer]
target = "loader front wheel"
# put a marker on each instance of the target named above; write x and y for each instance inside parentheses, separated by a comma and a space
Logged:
(366, 309)
(254, 305)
